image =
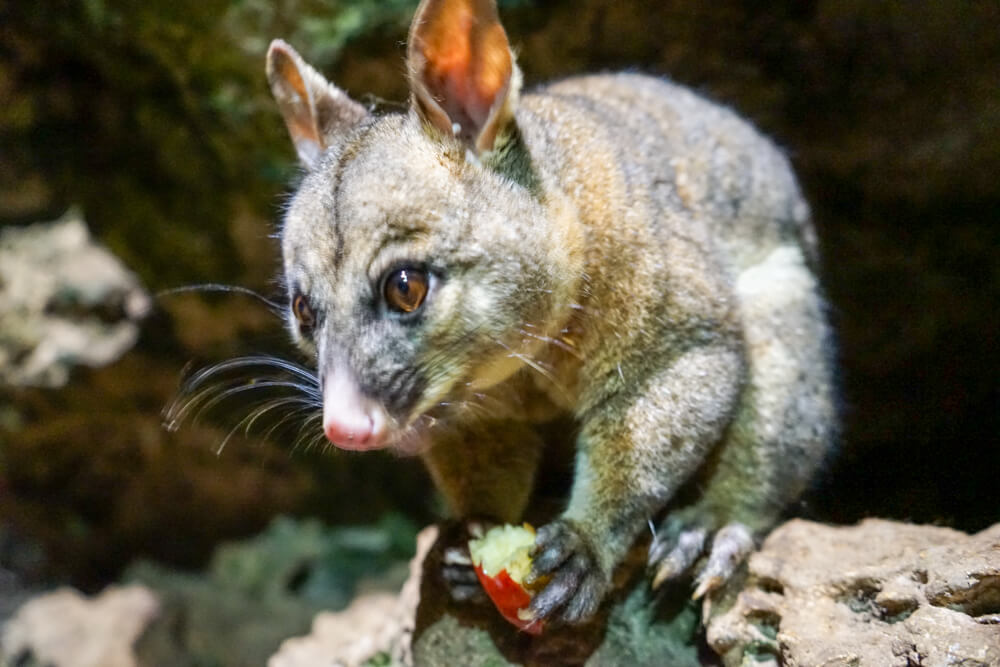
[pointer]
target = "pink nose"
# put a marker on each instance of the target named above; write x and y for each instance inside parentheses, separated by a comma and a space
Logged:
(349, 431)
(350, 419)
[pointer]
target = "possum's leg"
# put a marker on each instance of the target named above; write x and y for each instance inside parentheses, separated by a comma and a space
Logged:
(486, 471)
(781, 432)
(634, 451)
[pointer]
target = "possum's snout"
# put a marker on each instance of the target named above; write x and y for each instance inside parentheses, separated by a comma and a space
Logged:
(351, 420)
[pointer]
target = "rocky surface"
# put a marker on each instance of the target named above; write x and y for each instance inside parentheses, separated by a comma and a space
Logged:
(260, 591)
(64, 301)
(422, 626)
(878, 594)
(65, 629)
(256, 593)
(376, 625)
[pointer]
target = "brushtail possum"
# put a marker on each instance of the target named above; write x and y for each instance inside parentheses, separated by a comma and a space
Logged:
(611, 249)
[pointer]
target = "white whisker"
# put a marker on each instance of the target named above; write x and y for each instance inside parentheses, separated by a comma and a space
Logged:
(536, 366)
(557, 342)
(214, 386)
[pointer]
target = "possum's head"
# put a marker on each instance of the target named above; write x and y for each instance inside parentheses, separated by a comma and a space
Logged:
(417, 251)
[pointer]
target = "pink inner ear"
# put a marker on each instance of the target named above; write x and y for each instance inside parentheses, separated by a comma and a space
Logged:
(451, 76)
(467, 63)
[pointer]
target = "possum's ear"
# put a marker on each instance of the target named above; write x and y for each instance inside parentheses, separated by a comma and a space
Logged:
(313, 108)
(462, 73)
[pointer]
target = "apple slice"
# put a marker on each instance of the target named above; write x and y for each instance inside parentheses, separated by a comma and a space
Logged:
(502, 559)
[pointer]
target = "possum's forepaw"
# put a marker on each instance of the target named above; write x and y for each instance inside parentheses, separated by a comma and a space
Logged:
(460, 576)
(457, 570)
(566, 565)
(677, 548)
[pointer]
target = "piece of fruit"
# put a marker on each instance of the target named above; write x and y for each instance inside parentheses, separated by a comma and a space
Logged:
(502, 559)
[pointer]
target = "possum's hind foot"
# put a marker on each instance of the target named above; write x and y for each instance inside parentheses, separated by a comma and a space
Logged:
(679, 546)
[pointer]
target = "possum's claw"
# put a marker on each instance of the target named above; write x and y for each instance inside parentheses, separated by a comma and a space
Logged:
(457, 570)
(687, 548)
(460, 576)
(576, 584)
(731, 546)
(676, 551)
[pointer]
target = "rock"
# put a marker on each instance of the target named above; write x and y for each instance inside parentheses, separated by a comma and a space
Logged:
(19, 560)
(879, 593)
(635, 626)
(12, 593)
(375, 624)
(65, 629)
(256, 593)
(260, 591)
(637, 629)
(423, 626)
(64, 301)
(350, 637)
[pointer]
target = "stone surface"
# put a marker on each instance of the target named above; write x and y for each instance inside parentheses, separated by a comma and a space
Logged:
(876, 594)
(635, 626)
(422, 626)
(260, 591)
(64, 301)
(256, 593)
(879, 594)
(374, 625)
(65, 629)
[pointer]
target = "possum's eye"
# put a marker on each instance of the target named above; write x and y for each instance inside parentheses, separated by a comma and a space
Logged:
(303, 312)
(404, 289)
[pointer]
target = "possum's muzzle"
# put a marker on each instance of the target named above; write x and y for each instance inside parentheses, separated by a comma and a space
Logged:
(352, 420)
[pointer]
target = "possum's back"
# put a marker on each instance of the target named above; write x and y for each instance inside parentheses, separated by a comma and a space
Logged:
(636, 151)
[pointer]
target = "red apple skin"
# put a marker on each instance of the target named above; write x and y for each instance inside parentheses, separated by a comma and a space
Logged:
(508, 596)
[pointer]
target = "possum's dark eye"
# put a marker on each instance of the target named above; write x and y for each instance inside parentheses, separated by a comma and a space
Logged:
(405, 288)
(303, 312)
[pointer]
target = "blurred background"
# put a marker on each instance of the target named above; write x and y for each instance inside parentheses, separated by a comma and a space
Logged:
(152, 120)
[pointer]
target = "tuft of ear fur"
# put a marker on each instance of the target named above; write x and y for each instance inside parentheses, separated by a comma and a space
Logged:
(313, 108)
(462, 73)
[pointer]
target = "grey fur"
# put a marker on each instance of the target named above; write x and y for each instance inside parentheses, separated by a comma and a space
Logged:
(627, 254)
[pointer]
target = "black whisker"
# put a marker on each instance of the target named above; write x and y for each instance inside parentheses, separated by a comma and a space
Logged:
(275, 307)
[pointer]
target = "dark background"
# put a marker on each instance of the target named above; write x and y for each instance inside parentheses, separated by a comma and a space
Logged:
(154, 118)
